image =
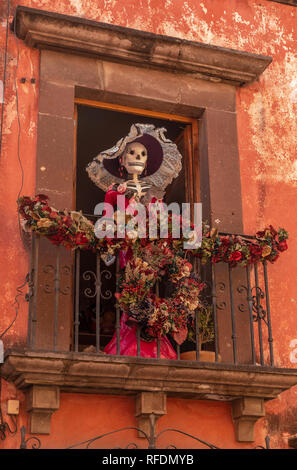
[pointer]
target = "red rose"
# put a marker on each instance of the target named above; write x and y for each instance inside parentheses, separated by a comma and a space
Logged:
(272, 231)
(216, 258)
(80, 239)
(261, 234)
(235, 256)
(56, 239)
(274, 258)
(225, 241)
(255, 251)
(282, 246)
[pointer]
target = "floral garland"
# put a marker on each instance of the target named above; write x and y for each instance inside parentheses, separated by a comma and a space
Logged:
(138, 298)
(148, 261)
(72, 230)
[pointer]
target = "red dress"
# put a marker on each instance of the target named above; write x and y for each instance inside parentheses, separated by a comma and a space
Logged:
(128, 339)
(128, 344)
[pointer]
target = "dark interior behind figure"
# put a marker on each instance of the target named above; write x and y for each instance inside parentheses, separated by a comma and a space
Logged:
(98, 129)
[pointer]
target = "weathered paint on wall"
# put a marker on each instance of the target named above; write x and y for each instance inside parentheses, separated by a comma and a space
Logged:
(267, 134)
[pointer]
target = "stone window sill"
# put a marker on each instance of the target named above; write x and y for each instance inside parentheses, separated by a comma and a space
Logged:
(42, 375)
(48, 30)
(81, 372)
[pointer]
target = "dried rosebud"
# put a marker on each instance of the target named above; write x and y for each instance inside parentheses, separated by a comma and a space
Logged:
(282, 246)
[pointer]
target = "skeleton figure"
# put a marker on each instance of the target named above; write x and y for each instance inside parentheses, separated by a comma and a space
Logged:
(140, 166)
(149, 157)
(134, 160)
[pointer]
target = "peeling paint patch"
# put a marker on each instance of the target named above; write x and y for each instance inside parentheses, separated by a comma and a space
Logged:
(293, 94)
(294, 170)
(203, 8)
(196, 25)
(10, 116)
(239, 19)
(169, 29)
(77, 5)
(31, 129)
(274, 132)
(205, 31)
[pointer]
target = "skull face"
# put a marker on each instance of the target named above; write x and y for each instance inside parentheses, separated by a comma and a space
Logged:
(135, 158)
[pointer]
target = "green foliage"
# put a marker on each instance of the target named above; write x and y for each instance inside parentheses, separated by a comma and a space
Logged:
(206, 326)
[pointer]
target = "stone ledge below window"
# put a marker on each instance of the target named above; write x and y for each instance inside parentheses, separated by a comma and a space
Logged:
(85, 373)
(43, 375)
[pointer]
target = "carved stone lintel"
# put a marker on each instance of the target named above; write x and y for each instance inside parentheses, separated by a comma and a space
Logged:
(245, 412)
(42, 401)
(292, 3)
(147, 403)
(47, 30)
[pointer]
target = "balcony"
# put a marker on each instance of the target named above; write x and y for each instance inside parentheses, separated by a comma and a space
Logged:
(237, 300)
(68, 329)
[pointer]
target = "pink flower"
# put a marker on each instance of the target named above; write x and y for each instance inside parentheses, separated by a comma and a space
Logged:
(122, 188)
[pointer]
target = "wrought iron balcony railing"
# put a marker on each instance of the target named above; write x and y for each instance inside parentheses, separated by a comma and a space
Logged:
(72, 308)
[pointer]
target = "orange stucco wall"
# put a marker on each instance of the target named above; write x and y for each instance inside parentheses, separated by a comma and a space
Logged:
(267, 135)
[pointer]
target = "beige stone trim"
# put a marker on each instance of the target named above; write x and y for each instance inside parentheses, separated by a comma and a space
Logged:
(245, 412)
(42, 401)
(146, 404)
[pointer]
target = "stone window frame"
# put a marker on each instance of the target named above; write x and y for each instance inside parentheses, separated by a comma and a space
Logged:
(82, 59)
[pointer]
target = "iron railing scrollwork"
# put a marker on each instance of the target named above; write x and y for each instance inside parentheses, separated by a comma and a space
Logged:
(151, 439)
(232, 295)
(97, 284)
(55, 286)
(34, 441)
